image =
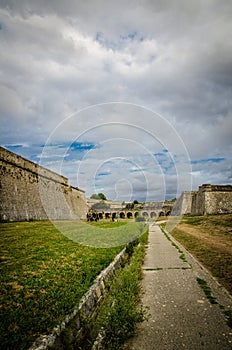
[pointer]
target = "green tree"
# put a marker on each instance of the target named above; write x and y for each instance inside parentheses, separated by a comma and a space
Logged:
(98, 196)
(102, 196)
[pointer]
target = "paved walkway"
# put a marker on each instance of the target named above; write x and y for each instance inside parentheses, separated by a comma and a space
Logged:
(181, 315)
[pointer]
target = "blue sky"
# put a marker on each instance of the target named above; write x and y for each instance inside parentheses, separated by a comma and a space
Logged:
(130, 99)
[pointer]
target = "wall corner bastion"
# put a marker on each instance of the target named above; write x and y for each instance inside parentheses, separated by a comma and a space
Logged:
(209, 199)
(31, 192)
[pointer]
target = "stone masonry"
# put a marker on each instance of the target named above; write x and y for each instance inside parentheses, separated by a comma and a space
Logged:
(209, 199)
(31, 192)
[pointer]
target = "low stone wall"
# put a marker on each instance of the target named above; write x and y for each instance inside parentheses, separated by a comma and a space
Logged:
(74, 324)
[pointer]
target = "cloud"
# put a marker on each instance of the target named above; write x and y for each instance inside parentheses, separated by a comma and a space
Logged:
(11, 105)
(173, 58)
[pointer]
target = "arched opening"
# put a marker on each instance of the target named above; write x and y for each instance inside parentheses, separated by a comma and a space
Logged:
(161, 213)
(136, 214)
(153, 214)
(145, 213)
(129, 215)
(100, 215)
(168, 213)
(122, 215)
(107, 215)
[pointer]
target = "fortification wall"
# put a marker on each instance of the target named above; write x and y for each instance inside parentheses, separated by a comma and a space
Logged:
(183, 204)
(198, 203)
(209, 199)
(218, 199)
(31, 192)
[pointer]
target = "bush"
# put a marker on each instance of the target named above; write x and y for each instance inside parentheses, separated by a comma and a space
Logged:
(98, 196)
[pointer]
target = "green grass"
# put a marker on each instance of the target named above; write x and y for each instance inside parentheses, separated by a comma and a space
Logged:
(108, 224)
(204, 286)
(45, 273)
(120, 312)
(101, 234)
(220, 223)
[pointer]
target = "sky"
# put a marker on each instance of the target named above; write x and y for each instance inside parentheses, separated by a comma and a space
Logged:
(132, 99)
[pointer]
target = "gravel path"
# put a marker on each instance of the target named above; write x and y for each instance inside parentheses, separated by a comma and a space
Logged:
(182, 317)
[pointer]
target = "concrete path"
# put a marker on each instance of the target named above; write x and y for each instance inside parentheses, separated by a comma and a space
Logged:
(182, 317)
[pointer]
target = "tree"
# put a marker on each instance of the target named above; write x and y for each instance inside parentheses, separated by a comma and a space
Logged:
(98, 196)
(136, 202)
(130, 206)
(102, 196)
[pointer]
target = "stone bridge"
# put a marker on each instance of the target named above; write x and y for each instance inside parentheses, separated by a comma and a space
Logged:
(148, 213)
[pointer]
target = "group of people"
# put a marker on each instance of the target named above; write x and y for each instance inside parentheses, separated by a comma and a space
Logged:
(116, 218)
(92, 217)
(95, 217)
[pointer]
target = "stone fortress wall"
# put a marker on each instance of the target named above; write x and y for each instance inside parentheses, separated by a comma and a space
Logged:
(209, 199)
(31, 192)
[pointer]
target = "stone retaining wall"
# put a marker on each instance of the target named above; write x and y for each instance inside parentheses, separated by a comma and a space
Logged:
(74, 324)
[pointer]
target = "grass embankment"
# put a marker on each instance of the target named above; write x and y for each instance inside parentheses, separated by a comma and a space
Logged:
(43, 275)
(209, 239)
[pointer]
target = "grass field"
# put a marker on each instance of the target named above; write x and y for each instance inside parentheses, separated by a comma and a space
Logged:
(102, 234)
(209, 239)
(45, 273)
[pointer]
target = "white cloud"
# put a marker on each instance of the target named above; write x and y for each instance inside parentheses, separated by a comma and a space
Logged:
(172, 57)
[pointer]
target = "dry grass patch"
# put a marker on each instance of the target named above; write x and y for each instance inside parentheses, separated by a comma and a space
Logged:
(209, 239)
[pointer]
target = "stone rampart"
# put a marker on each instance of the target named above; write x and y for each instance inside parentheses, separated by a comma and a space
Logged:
(183, 205)
(209, 199)
(212, 199)
(31, 192)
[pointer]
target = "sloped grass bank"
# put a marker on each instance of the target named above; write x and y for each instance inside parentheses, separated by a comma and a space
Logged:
(209, 239)
(43, 276)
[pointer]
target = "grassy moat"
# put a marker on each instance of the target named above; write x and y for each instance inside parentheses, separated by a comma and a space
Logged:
(44, 272)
